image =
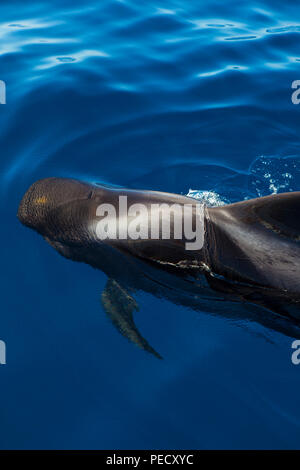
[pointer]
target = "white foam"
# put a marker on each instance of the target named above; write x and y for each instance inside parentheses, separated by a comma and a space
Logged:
(209, 198)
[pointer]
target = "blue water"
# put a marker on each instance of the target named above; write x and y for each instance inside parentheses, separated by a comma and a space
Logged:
(174, 96)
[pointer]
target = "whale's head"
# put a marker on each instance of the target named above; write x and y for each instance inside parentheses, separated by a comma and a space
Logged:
(51, 205)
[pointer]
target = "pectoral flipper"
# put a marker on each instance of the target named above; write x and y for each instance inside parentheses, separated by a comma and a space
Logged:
(119, 305)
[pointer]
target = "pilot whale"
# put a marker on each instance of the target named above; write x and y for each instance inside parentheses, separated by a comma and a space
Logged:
(250, 252)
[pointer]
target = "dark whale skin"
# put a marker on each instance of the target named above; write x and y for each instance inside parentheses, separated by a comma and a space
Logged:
(251, 249)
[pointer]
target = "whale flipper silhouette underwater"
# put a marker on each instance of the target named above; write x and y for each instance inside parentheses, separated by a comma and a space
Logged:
(250, 254)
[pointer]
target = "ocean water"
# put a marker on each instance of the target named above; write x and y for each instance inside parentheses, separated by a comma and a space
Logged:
(188, 97)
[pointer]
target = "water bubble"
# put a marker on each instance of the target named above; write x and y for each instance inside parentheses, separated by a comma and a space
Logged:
(272, 175)
(66, 59)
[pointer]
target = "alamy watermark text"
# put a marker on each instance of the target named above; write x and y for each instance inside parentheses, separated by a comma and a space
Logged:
(155, 221)
(2, 92)
(2, 352)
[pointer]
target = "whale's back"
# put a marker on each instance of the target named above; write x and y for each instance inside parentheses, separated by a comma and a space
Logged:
(258, 241)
